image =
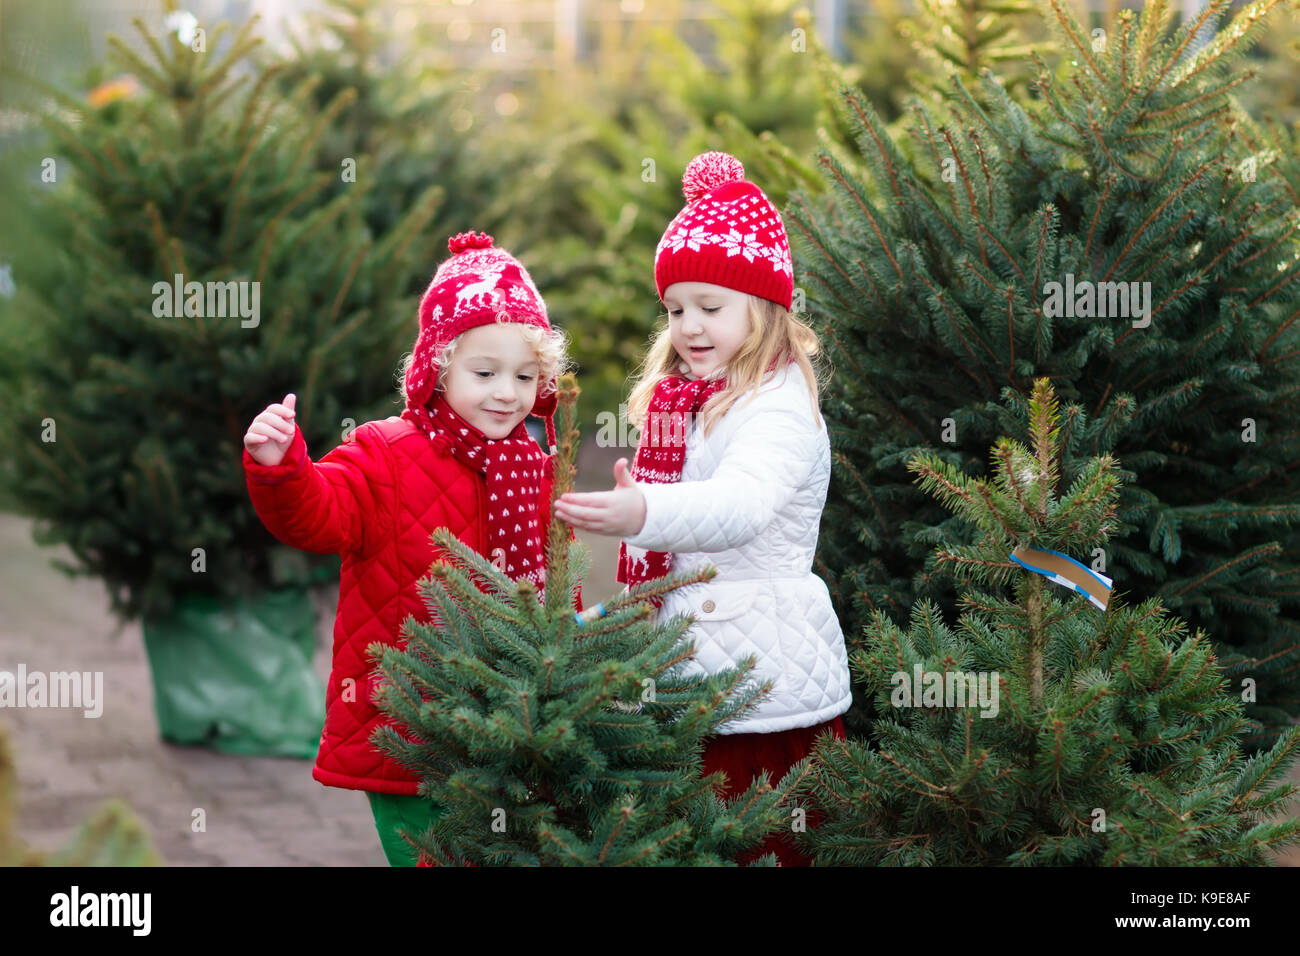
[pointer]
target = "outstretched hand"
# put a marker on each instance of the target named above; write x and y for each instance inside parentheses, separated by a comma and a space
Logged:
(620, 511)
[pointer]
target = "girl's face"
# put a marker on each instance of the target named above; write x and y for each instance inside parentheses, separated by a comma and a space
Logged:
(492, 379)
(707, 324)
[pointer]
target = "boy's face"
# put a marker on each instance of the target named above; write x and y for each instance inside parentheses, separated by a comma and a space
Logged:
(492, 379)
(707, 324)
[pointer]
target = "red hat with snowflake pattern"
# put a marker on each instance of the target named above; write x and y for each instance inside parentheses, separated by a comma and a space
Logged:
(480, 284)
(729, 234)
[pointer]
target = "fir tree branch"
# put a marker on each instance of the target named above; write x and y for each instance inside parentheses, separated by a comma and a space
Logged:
(1046, 233)
(1190, 31)
(68, 140)
(964, 176)
(932, 790)
(953, 324)
(1155, 17)
(306, 147)
(1290, 276)
(1176, 193)
(1068, 26)
(834, 172)
(1286, 324)
(242, 44)
(132, 61)
(1048, 89)
(1245, 24)
(1246, 556)
(243, 135)
(1007, 255)
(815, 241)
(1036, 640)
(267, 238)
(853, 98)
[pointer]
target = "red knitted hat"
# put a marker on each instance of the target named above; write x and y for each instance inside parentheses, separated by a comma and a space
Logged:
(729, 234)
(475, 286)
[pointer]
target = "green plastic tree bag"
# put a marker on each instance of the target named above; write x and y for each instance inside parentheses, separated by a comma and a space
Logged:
(238, 677)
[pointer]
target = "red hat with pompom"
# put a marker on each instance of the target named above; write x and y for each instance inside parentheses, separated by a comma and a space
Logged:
(729, 234)
(480, 284)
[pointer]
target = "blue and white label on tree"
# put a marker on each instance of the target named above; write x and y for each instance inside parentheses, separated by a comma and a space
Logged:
(590, 614)
(1064, 570)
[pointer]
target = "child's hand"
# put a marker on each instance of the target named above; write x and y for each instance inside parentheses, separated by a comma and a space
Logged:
(619, 512)
(269, 437)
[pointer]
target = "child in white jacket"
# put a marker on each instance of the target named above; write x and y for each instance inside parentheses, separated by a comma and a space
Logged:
(744, 492)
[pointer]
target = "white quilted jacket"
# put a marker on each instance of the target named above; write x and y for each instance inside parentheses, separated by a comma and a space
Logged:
(749, 502)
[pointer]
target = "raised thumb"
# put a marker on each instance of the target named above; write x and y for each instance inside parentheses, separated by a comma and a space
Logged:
(622, 477)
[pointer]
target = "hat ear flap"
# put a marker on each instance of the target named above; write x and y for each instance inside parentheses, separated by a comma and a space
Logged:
(544, 408)
(420, 381)
(545, 405)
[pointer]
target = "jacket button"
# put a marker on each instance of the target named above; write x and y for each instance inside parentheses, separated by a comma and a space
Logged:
(708, 607)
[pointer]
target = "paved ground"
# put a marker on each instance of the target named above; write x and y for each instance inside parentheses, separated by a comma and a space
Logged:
(260, 811)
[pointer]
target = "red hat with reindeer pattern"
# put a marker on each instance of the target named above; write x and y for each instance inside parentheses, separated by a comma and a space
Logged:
(480, 284)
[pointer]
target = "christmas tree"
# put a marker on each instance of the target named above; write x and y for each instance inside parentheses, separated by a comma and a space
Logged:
(562, 739)
(192, 273)
(1046, 727)
(1118, 235)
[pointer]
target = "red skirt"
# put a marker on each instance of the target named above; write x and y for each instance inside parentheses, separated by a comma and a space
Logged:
(745, 756)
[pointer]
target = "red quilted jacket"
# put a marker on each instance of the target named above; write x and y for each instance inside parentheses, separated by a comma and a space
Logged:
(373, 500)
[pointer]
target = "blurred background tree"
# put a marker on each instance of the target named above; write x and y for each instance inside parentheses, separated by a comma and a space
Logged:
(409, 125)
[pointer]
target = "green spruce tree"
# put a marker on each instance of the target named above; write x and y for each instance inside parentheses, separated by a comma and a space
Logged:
(125, 416)
(1005, 245)
(1096, 738)
(555, 742)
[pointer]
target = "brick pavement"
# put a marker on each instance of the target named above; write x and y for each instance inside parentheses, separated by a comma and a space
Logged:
(259, 811)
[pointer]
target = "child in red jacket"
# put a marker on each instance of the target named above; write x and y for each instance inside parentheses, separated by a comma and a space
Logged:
(458, 457)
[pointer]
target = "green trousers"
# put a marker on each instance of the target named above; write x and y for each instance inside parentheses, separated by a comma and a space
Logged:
(412, 814)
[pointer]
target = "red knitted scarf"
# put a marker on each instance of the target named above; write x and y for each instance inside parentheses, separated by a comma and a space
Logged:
(660, 456)
(514, 468)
